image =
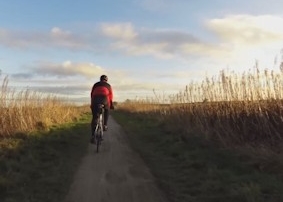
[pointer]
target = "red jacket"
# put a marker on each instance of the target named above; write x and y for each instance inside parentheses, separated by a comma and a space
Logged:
(102, 88)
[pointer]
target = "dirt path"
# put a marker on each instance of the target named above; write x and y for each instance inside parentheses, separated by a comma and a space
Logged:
(116, 174)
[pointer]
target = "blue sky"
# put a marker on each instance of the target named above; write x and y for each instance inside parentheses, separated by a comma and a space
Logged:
(63, 47)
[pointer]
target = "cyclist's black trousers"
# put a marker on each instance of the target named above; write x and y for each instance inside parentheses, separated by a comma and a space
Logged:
(95, 116)
(95, 102)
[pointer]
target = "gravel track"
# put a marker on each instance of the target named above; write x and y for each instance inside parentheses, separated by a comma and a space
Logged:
(115, 174)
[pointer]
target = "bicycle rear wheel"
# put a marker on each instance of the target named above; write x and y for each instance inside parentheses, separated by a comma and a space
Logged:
(98, 138)
(99, 129)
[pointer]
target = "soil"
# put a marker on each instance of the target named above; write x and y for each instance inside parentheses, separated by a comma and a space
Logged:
(115, 174)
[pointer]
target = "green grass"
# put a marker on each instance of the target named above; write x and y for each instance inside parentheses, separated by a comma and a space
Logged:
(40, 166)
(196, 170)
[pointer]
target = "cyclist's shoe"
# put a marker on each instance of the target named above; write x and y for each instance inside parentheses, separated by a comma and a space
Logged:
(105, 128)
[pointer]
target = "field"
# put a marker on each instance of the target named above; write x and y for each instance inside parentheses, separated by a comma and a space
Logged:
(25, 111)
(234, 109)
(217, 140)
(42, 140)
(220, 140)
(198, 170)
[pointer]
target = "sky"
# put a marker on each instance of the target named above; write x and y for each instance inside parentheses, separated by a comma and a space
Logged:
(145, 47)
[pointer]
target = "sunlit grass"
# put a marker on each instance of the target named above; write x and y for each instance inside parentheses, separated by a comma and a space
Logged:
(217, 140)
(191, 168)
(27, 110)
(40, 166)
(232, 108)
(42, 139)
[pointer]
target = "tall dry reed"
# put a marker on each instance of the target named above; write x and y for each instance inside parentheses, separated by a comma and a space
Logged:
(235, 109)
(26, 110)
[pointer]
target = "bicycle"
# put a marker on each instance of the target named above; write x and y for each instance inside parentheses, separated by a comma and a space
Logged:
(98, 131)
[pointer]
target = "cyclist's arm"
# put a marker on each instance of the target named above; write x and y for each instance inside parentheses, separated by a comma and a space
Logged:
(111, 97)
(111, 94)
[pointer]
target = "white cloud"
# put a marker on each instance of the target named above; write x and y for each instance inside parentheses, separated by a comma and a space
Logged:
(239, 37)
(205, 49)
(68, 68)
(248, 30)
(40, 39)
(165, 44)
(153, 49)
(57, 32)
(123, 31)
(124, 38)
(242, 39)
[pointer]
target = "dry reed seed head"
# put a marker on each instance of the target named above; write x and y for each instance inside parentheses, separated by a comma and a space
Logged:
(247, 88)
(21, 110)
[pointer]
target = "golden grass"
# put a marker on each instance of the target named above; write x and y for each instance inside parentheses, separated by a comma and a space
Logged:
(235, 109)
(230, 86)
(26, 111)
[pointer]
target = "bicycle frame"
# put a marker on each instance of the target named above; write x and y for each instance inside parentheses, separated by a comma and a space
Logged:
(99, 127)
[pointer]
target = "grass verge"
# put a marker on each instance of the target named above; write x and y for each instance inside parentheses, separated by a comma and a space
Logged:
(40, 166)
(195, 170)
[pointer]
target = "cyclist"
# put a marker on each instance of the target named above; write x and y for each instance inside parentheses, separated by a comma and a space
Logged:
(101, 93)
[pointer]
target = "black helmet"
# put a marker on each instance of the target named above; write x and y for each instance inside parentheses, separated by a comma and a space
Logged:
(103, 78)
